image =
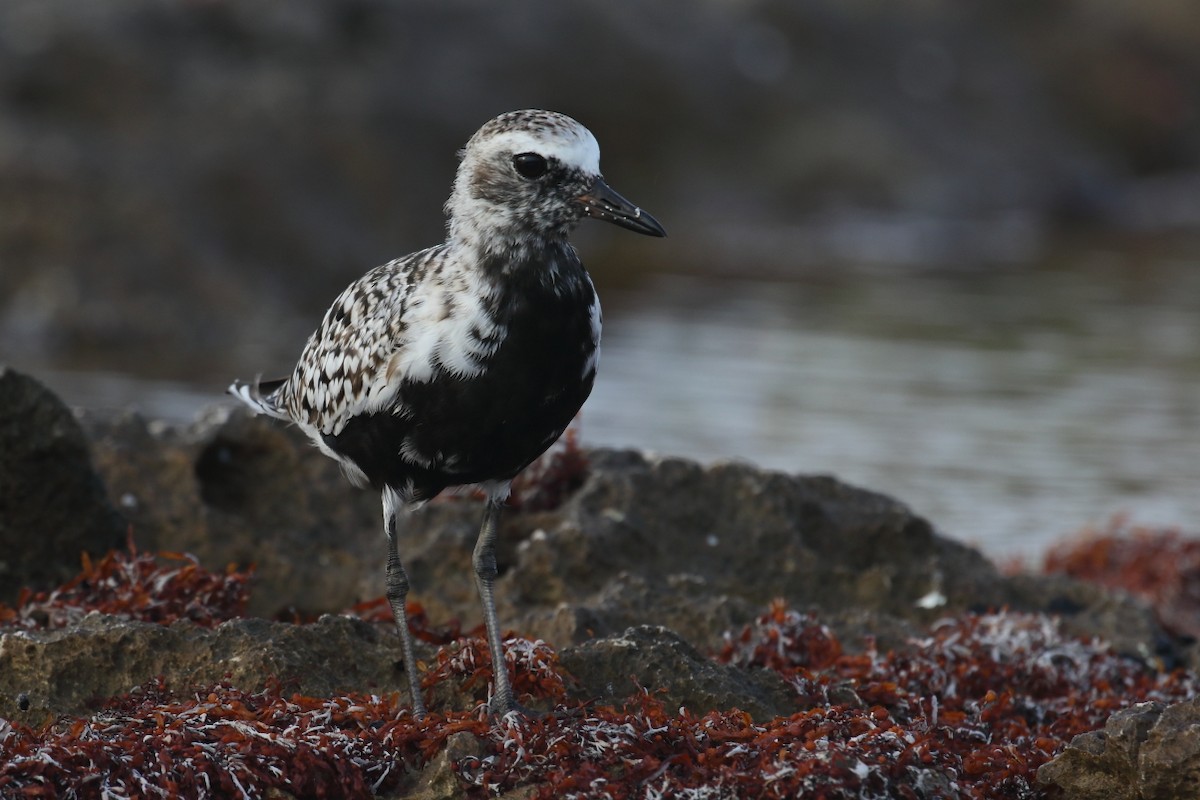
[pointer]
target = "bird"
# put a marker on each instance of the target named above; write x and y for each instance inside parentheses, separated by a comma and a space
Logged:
(460, 364)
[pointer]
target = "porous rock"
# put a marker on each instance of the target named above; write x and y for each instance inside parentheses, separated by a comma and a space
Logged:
(69, 671)
(703, 549)
(1169, 760)
(238, 489)
(52, 505)
(645, 541)
(1145, 752)
(656, 660)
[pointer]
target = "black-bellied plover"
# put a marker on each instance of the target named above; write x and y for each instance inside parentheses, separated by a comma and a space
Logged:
(462, 363)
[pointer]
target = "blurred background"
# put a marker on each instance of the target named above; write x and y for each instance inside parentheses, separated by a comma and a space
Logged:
(943, 250)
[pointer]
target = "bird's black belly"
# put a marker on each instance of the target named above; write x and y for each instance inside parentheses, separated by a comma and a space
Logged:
(489, 426)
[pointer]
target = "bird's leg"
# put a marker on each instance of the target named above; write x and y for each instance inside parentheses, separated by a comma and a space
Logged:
(484, 560)
(397, 595)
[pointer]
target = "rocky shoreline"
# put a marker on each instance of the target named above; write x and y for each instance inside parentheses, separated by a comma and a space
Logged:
(638, 578)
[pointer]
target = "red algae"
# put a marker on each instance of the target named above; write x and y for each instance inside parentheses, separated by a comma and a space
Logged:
(536, 671)
(222, 742)
(979, 704)
(1160, 565)
(146, 587)
(971, 709)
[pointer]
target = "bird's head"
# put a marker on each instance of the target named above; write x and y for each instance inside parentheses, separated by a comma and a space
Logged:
(534, 174)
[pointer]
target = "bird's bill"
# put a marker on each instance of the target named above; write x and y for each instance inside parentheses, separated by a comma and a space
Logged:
(601, 202)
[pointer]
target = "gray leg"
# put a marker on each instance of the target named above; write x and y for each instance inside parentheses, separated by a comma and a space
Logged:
(484, 560)
(397, 595)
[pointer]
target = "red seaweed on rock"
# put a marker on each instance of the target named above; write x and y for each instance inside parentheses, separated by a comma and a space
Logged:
(222, 742)
(537, 674)
(158, 588)
(981, 702)
(971, 710)
(1160, 565)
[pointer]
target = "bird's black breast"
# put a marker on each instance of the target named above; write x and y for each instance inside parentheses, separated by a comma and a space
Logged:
(452, 429)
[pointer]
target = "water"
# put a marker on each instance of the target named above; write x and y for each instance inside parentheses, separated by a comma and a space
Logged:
(1021, 428)
(1010, 407)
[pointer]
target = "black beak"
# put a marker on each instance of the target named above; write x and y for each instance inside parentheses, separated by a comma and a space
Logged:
(601, 202)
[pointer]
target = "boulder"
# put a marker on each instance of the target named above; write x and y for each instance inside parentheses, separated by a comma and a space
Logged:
(1146, 752)
(52, 504)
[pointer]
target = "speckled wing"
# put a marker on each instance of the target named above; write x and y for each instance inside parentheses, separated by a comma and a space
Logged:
(347, 367)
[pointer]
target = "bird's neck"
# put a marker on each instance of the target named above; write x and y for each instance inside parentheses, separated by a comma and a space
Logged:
(510, 256)
(492, 230)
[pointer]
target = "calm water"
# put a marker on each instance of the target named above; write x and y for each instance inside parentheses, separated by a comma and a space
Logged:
(1009, 407)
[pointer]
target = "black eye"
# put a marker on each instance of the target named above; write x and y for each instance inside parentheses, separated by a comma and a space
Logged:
(530, 165)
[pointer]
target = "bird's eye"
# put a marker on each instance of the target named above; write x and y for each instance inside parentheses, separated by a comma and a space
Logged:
(530, 165)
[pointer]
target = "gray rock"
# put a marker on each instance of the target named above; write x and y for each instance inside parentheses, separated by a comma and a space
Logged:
(438, 779)
(655, 659)
(68, 671)
(1102, 765)
(702, 549)
(1145, 752)
(237, 489)
(645, 541)
(662, 541)
(1169, 759)
(52, 505)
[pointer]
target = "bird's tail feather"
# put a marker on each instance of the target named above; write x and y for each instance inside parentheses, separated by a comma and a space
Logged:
(261, 396)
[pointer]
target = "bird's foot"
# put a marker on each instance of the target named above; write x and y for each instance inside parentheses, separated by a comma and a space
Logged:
(515, 713)
(503, 711)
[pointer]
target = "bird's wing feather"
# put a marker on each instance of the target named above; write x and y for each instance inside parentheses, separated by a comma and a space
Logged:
(346, 368)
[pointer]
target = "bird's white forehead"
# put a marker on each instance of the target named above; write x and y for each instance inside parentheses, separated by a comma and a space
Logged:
(564, 139)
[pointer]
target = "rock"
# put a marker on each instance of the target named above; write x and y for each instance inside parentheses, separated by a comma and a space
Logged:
(1103, 764)
(67, 671)
(439, 780)
(703, 549)
(1169, 759)
(645, 541)
(693, 551)
(239, 489)
(1145, 751)
(52, 504)
(656, 660)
